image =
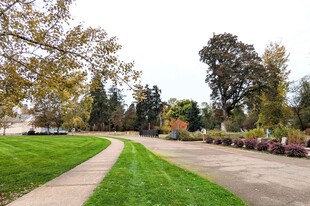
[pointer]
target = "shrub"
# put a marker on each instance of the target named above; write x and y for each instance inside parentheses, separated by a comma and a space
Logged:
(280, 132)
(238, 143)
(254, 133)
(307, 131)
(277, 148)
(250, 143)
(232, 126)
(294, 150)
(217, 141)
(196, 136)
(184, 135)
(273, 140)
(215, 133)
(227, 141)
(308, 143)
(31, 132)
(296, 136)
(262, 146)
(165, 129)
(209, 140)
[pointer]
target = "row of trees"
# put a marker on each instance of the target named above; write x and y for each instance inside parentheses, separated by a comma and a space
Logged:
(256, 87)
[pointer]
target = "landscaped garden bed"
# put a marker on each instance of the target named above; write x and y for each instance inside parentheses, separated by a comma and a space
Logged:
(294, 147)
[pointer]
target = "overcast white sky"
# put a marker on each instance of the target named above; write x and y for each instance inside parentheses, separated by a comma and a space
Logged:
(164, 37)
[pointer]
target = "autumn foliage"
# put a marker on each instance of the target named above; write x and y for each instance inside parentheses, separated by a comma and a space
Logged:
(177, 124)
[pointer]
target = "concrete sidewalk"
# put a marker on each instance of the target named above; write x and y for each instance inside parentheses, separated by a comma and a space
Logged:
(74, 187)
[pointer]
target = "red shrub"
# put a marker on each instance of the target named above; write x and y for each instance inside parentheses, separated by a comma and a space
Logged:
(217, 141)
(277, 148)
(262, 146)
(250, 143)
(227, 141)
(294, 150)
(209, 140)
(238, 143)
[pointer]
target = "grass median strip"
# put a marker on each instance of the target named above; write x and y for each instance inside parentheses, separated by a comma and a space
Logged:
(141, 178)
(30, 161)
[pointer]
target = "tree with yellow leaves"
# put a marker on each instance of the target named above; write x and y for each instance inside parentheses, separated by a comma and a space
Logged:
(39, 50)
(274, 109)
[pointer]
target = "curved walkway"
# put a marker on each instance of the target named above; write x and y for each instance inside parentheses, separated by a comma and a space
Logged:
(260, 179)
(75, 186)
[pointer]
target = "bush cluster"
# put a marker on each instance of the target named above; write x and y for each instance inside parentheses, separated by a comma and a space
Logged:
(185, 135)
(294, 150)
(262, 146)
(209, 140)
(255, 133)
(296, 136)
(31, 132)
(238, 143)
(217, 141)
(293, 135)
(227, 141)
(291, 150)
(215, 133)
(250, 143)
(277, 148)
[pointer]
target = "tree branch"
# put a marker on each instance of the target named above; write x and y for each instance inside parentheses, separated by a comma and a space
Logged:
(8, 7)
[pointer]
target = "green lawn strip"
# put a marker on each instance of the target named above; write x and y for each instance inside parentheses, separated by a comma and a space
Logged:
(141, 178)
(29, 161)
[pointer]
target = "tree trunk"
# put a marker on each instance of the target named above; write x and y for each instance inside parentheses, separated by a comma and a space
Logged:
(223, 125)
(297, 111)
(4, 128)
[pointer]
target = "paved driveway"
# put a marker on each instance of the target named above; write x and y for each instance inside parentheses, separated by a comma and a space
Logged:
(258, 178)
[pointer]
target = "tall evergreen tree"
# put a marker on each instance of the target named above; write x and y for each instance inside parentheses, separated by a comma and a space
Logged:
(194, 117)
(130, 118)
(149, 106)
(116, 108)
(99, 115)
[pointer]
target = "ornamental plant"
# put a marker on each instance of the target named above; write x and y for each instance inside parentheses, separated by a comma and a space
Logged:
(177, 124)
(250, 143)
(296, 136)
(294, 150)
(277, 148)
(209, 140)
(262, 146)
(227, 141)
(238, 143)
(255, 133)
(217, 141)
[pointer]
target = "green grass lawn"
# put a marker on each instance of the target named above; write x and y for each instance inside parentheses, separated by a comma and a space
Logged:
(141, 178)
(29, 161)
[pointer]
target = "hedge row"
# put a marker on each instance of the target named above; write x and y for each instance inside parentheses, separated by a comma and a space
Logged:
(291, 150)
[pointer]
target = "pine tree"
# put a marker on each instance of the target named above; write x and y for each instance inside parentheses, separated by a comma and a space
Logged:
(99, 115)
